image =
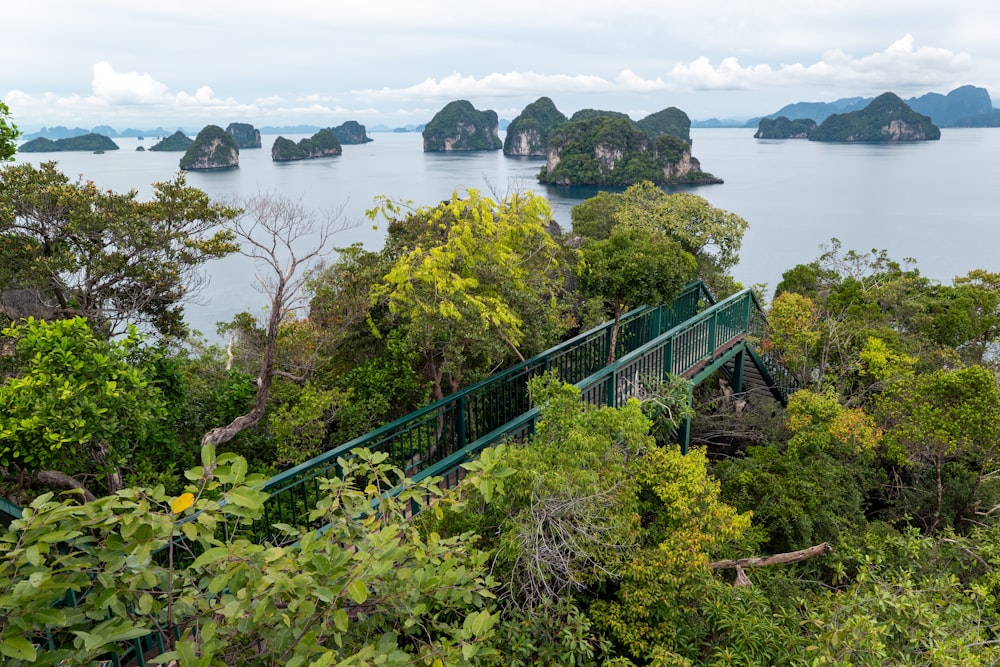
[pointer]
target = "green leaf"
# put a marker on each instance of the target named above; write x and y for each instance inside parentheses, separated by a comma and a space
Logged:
(357, 591)
(18, 648)
(243, 496)
(340, 620)
(212, 555)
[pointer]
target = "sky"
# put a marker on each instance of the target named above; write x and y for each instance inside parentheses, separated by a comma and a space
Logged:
(188, 63)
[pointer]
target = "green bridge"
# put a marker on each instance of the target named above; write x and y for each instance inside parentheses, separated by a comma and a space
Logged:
(694, 337)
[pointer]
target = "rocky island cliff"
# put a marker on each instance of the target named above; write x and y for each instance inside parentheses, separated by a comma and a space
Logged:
(244, 134)
(461, 127)
(528, 134)
(350, 133)
(213, 148)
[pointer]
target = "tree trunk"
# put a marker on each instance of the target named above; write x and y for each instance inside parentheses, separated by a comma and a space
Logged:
(764, 561)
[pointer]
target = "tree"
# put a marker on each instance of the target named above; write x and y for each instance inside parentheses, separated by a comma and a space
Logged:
(633, 267)
(8, 134)
(940, 417)
(83, 581)
(76, 250)
(711, 234)
(76, 405)
(271, 229)
(474, 274)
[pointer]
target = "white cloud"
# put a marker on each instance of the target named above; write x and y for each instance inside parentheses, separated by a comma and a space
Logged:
(899, 64)
(126, 87)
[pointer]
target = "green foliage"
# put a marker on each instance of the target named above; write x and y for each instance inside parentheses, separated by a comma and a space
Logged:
(322, 144)
(9, 135)
(461, 127)
(634, 266)
(106, 256)
(86, 142)
(477, 272)
(76, 405)
(880, 121)
(370, 590)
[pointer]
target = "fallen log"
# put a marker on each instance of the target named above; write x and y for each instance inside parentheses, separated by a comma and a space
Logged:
(763, 561)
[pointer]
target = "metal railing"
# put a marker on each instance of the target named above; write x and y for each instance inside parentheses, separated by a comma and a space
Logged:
(438, 432)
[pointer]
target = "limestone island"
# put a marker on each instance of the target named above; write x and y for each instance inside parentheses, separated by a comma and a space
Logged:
(528, 134)
(244, 134)
(609, 148)
(321, 144)
(213, 148)
(350, 133)
(176, 142)
(461, 127)
(87, 142)
(784, 128)
(886, 119)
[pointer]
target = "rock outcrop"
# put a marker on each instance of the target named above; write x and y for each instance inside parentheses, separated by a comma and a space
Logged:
(887, 119)
(244, 134)
(783, 128)
(213, 148)
(670, 121)
(613, 150)
(176, 142)
(350, 133)
(461, 127)
(528, 134)
(87, 142)
(321, 144)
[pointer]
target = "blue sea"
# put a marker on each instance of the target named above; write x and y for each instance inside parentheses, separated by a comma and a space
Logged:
(936, 202)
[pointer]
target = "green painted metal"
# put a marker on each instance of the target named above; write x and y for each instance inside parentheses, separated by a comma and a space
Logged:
(438, 432)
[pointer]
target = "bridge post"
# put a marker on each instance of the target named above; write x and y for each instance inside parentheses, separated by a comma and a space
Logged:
(738, 362)
(684, 429)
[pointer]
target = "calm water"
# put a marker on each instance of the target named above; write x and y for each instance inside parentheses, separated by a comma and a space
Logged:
(938, 202)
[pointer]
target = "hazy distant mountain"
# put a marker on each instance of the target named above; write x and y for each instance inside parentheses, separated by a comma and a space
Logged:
(959, 108)
(57, 132)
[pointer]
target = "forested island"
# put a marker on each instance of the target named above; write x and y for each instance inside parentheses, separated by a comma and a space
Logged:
(459, 126)
(886, 119)
(838, 503)
(176, 142)
(321, 144)
(86, 142)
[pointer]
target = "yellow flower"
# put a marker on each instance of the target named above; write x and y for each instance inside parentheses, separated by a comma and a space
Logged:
(182, 502)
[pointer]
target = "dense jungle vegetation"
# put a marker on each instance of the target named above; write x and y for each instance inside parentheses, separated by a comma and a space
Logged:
(138, 450)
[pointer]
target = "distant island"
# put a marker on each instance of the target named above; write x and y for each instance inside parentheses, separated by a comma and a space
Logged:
(886, 119)
(178, 141)
(213, 148)
(322, 144)
(244, 134)
(528, 134)
(351, 133)
(965, 106)
(87, 142)
(461, 127)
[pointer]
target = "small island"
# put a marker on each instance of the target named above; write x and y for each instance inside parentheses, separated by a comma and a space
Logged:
(88, 142)
(321, 144)
(176, 142)
(461, 127)
(887, 119)
(351, 133)
(597, 148)
(213, 148)
(784, 128)
(244, 134)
